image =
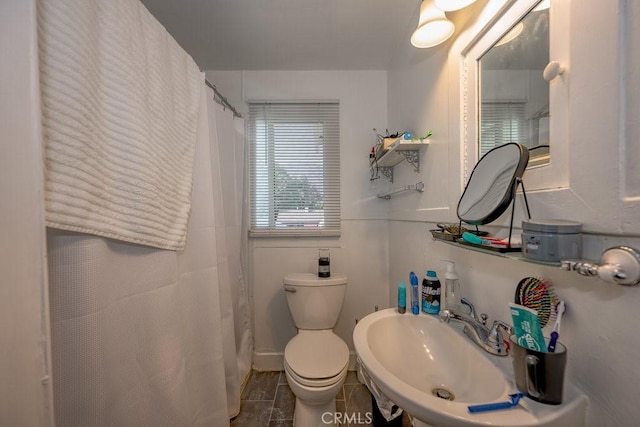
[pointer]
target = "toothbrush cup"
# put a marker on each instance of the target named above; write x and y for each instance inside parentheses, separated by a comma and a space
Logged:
(539, 374)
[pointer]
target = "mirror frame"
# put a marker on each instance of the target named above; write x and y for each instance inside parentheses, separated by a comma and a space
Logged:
(497, 18)
(509, 191)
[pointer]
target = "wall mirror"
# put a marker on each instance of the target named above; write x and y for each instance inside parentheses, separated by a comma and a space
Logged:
(504, 95)
(514, 96)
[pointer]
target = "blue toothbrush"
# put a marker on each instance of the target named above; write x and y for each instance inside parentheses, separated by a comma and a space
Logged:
(513, 401)
(556, 327)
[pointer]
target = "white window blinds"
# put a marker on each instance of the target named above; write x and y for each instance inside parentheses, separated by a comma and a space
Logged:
(501, 123)
(294, 168)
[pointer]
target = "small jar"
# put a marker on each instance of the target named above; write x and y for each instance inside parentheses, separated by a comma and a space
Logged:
(551, 240)
(324, 263)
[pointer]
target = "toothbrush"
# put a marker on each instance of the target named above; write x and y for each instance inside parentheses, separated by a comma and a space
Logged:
(556, 327)
(484, 241)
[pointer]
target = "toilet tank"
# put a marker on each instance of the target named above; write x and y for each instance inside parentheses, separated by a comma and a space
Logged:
(314, 302)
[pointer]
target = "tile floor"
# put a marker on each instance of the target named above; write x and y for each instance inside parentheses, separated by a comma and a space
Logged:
(267, 401)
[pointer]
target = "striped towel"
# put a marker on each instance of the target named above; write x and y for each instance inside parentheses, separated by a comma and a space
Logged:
(120, 104)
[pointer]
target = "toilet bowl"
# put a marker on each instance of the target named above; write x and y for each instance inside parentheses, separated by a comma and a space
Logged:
(316, 359)
(315, 364)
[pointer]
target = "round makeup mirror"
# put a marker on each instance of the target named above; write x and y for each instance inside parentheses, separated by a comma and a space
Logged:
(492, 184)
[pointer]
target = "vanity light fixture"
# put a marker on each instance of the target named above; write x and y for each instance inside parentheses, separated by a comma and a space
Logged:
(451, 5)
(433, 26)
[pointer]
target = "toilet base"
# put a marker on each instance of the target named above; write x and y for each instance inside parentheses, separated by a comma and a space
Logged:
(315, 406)
(314, 415)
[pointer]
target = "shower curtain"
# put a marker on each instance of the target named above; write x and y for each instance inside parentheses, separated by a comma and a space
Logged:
(144, 336)
(227, 162)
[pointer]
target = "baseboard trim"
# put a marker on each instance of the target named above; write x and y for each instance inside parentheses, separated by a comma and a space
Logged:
(265, 362)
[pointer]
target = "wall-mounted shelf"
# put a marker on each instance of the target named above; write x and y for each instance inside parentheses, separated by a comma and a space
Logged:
(510, 255)
(400, 150)
(618, 264)
(418, 186)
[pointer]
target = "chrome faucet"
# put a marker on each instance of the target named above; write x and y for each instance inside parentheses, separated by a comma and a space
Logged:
(490, 340)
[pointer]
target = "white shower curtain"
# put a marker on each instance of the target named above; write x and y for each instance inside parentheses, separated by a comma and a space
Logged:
(143, 336)
(227, 162)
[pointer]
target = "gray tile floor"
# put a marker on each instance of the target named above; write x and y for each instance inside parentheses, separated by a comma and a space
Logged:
(267, 401)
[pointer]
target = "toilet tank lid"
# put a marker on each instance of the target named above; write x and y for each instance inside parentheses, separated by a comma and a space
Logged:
(310, 279)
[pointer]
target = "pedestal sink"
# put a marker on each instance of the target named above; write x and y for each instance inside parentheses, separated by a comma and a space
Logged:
(431, 370)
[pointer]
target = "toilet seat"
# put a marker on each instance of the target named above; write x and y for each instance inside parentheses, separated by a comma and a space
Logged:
(315, 382)
(316, 358)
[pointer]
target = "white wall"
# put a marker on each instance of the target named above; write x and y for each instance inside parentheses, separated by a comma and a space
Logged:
(25, 383)
(599, 327)
(362, 251)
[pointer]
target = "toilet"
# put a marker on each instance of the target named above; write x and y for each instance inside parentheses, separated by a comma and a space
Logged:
(316, 359)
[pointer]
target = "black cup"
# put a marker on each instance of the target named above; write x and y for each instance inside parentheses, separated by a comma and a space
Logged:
(539, 374)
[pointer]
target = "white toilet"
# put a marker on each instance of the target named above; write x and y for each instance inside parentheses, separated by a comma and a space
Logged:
(316, 359)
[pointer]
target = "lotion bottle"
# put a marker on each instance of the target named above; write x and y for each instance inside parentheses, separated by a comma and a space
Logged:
(452, 287)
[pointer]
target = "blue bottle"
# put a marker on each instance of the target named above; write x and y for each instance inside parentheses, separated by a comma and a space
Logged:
(402, 298)
(415, 306)
(431, 293)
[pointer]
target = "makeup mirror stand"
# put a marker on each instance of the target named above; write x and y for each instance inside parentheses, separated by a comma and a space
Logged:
(518, 182)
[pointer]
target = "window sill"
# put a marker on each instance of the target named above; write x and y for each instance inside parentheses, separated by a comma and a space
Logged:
(294, 233)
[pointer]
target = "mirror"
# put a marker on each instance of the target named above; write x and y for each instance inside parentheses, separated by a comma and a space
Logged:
(514, 97)
(492, 184)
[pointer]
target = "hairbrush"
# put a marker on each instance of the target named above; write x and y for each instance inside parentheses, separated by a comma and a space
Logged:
(539, 295)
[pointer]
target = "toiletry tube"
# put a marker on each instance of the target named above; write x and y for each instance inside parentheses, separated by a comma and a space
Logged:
(415, 305)
(402, 298)
(527, 327)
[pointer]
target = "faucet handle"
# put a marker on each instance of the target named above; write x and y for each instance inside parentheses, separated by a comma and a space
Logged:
(445, 316)
(484, 318)
(496, 337)
(498, 328)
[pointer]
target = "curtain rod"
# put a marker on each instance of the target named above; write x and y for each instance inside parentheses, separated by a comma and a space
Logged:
(219, 98)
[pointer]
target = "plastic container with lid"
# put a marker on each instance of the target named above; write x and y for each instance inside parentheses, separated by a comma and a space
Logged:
(551, 240)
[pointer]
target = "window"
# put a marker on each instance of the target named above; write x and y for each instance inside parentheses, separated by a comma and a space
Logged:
(502, 123)
(295, 168)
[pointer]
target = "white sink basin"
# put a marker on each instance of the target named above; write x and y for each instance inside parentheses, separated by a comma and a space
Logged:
(412, 357)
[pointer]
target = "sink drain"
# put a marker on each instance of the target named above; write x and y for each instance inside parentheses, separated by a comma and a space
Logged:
(443, 393)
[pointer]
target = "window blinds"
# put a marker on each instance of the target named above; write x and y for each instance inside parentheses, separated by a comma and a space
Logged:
(501, 123)
(294, 168)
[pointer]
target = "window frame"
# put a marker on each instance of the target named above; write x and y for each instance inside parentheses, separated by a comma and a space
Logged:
(259, 111)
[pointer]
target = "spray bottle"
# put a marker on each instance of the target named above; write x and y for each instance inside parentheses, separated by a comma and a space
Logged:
(451, 287)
